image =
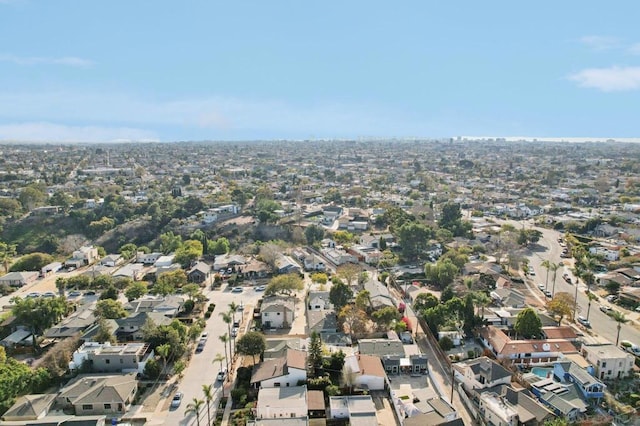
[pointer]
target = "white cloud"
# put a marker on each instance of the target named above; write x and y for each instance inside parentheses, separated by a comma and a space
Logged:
(71, 61)
(51, 132)
(612, 79)
(600, 43)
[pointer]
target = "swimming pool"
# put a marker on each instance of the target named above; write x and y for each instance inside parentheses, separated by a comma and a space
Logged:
(544, 372)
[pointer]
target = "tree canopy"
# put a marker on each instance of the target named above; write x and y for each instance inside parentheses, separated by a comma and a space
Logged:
(252, 343)
(340, 294)
(284, 285)
(528, 323)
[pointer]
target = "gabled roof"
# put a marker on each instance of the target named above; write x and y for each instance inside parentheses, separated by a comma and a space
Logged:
(578, 373)
(278, 367)
(489, 369)
(380, 347)
(96, 389)
(30, 407)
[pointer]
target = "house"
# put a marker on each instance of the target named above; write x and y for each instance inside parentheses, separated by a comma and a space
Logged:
(107, 358)
(610, 253)
(50, 268)
(359, 409)
(381, 347)
(285, 371)
(286, 265)
(508, 297)
(277, 312)
(313, 262)
(147, 258)
(130, 328)
(364, 372)
(277, 348)
(112, 260)
(379, 295)
(130, 270)
(315, 404)
(85, 255)
(338, 257)
(200, 273)
(282, 403)
(610, 362)
(563, 399)
(99, 394)
(570, 372)
(225, 261)
(29, 407)
(164, 261)
(413, 364)
(512, 407)
(166, 305)
(524, 351)
(481, 373)
(19, 279)
(75, 323)
(324, 321)
(432, 412)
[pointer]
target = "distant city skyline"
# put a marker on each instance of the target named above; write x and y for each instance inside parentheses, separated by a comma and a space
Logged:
(126, 71)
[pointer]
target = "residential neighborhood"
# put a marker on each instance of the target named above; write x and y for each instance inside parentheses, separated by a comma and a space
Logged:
(439, 282)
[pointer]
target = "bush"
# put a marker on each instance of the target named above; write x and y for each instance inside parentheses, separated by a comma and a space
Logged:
(446, 344)
(207, 315)
(152, 369)
(239, 396)
(318, 383)
(471, 354)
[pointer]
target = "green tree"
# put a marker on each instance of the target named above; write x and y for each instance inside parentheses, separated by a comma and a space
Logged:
(425, 301)
(32, 262)
(319, 277)
(109, 309)
(189, 251)
(284, 284)
(219, 246)
(32, 196)
(383, 317)
(169, 242)
(528, 323)
(110, 292)
(194, 408)
(104, 333)
(313, 234)
(340, 294)
(413, 238)
(363, 300)
(252, 343)
(207, 390)
(227, 318)
(128, 251)
(135, 290)
(442, 273)
(315, 353)
(620, 319)
(225, 340)
(562, 305)
(39, 314)
(168, 282)
(7, 252)
(354, 319)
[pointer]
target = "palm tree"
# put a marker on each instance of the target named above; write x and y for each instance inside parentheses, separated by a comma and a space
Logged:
(208, 396)
(194, 408)
(620, 318)
(547, 265)
(219, 358)
(233, 307)
(163, 352)
(481, 300)
(226, 317)
(590, 297)
(225, 339)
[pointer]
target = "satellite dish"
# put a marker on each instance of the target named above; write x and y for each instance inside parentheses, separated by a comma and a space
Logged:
(546, 347)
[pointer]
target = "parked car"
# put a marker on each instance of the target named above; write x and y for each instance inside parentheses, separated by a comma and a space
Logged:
(585, 322)
(532, 272)
(236, 323)
(234, 332)
(237, 290)
(548, 293)
(200, 346)
(606, 309)
(204, 336)
(221, 375)
(74, 293)
(90, 293)
(566, 277)
(261, 288)
(612, 298)
(541, 287)
(33, 295)
(177, 399)
(49, 294)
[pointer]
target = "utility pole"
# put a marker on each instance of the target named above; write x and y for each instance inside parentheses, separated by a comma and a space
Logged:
(453, 382)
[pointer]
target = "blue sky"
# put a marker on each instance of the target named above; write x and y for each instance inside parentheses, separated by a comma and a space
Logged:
(212, 70)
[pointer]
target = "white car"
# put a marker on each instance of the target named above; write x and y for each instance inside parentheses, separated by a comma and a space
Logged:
(237, 290)
(177, 399)
(221, 375)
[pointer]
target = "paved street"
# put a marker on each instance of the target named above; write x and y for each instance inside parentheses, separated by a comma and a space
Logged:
(201, 370)
(602, 324)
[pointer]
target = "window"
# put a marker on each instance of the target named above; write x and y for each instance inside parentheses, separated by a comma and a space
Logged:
(107, 361)
(121, 361)
(527, 355)
(107, 406)
(276, 385)
(278, 313)
(87, 406)
(604, 365)
(266, 314)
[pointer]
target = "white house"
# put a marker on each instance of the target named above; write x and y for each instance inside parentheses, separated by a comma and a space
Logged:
(610, 361)
(85, 255)
(284, 371)
(609, 253)
(359, 409)
(147, 258)
(365, 372)
(497, 411)
(481, 373)
(285, 403)
(164, 261)
(277, 312)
